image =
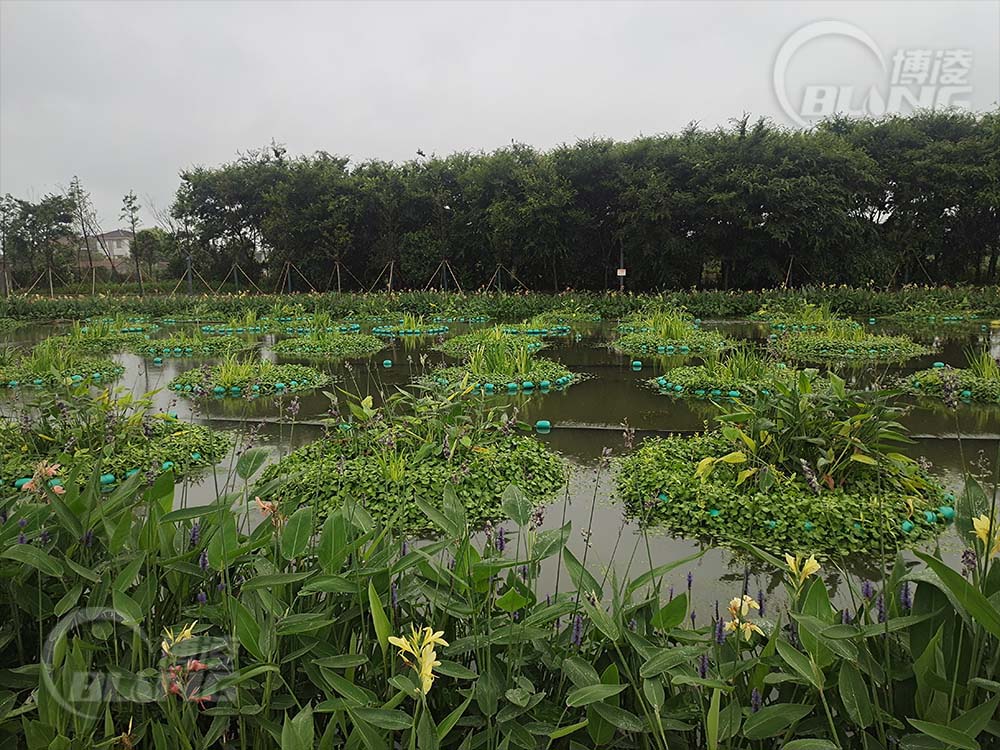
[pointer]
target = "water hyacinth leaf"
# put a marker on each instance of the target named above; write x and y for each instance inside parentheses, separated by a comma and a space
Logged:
(672, 614)
(584, 696)
(379, 620)
(943, 733)
(516, 505)
(251, 462)
(809, 744)
(772, 720)
(585, 582)
(296, 533)
(854, 695)
(969, 598)
(34, 557)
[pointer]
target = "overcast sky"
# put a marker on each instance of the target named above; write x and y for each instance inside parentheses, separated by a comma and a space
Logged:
(127, 94)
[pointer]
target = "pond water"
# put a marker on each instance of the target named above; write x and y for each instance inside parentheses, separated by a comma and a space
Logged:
(586, 419)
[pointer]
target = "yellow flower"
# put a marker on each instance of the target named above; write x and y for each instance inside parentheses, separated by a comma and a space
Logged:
(170, 640)
(987, 535)
(420, 645)
(749, 628)
(802, 570)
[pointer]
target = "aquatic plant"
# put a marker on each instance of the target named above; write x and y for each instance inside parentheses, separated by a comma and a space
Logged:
(398, 457)
(978, 381)
(465, 343)
(727, 375)
(845, 343)
(50, 363)
(666, 333)
(238, 377)
(338, 345)
(191, 345)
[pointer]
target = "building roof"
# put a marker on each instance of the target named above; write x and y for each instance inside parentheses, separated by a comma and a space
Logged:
(116, 234)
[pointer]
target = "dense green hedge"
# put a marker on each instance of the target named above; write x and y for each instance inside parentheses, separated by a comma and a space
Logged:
(847, 301)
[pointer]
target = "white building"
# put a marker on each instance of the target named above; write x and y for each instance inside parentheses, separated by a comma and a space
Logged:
(117, 242)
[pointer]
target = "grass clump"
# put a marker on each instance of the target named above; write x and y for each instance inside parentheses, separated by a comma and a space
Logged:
(846, 343)
(50, 364)
(499, 363)
(728, 375)
(100, 337)
(409, 325)
(398, 457)
(248, 378)
(464, 344)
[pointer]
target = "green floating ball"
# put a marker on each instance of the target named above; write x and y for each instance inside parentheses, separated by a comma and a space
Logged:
(947, 512)
(930, 516)
(543, 426)
(219, 389)
(544, 385)
(167, 465)
(21, 482)
(107, 479)
(387, 363)
(637, 365)
(663, 496)
(938, 365)
(279, 386)
(808, 526)
(714, 512)
(907, 527)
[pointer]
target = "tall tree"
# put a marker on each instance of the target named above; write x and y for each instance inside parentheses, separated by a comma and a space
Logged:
(130, 214)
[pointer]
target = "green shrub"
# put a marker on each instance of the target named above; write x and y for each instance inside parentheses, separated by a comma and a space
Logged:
(338, 345)
(393, 459)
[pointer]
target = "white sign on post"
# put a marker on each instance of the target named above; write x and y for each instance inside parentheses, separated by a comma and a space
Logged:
(621, 271)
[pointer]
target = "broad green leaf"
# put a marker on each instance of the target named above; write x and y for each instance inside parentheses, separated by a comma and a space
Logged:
(295, 536)
(968, 596)
(250, 462)
(854, 694)
(801, 664)
(516, 505)
(581, 577)
(712, 721)
(511, 601)
(34, 557)
(772, 720)
(672, 615)
(584, 696)
(945, 734)
(379, 621)
(809, 744)
(384, 718)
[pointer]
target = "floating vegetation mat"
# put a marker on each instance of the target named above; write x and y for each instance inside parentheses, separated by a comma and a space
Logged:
(337, 345)
(237, 379)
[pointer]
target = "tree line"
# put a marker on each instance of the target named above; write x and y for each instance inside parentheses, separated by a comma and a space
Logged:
(889, 201)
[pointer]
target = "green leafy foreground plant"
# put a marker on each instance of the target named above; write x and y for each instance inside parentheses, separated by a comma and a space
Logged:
(809, 467)
(248, 378)
(400, 455)
(268, 634)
